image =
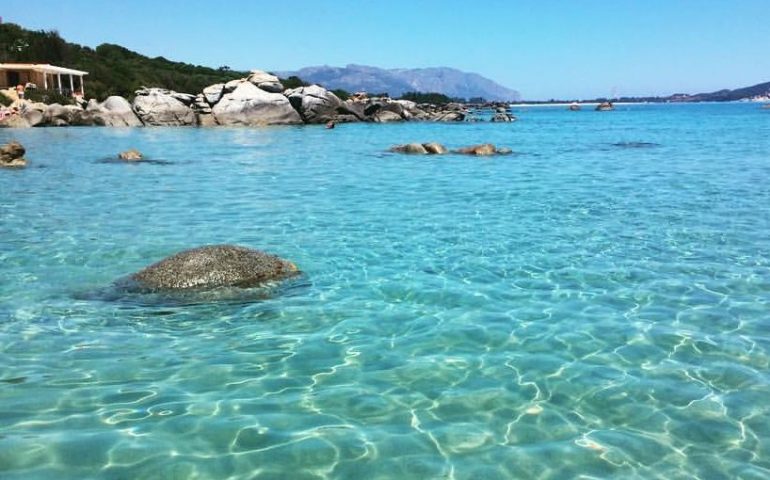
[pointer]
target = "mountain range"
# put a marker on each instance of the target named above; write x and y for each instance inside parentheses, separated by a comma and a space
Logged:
(397, 81)
(726, 95)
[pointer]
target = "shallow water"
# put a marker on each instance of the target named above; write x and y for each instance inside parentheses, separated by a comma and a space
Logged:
(594, 305)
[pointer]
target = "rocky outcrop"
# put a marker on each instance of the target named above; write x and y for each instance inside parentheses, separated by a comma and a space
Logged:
(212, 267)
(247, 104)
(315, 104)
(12, 155)
(161, 107)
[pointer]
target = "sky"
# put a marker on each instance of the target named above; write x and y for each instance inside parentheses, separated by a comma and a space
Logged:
(567, 49)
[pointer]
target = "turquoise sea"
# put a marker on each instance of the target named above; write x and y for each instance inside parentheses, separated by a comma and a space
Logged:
(596, 305)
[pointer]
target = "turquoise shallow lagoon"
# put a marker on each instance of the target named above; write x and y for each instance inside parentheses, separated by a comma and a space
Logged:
(596, 305)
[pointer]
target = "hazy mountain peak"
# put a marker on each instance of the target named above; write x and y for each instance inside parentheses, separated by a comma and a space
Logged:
(397, 81)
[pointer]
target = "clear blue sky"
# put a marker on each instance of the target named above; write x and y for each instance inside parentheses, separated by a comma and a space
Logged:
(544, 49)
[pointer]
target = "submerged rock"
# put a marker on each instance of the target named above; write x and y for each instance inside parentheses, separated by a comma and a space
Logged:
(435, 148)
(483, 149)
(605, 107)
(410, 148)
(212, 267)
(12, 155)
(503, 117)
(132, 155)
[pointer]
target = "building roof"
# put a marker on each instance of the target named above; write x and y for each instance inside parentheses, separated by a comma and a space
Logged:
(42, 68)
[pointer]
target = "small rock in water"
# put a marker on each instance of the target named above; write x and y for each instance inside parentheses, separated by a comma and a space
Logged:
(435, 148)
(12, 155)
(410, 148)
(483, 149)
(431, 148)
(131, 155)
(534, 410)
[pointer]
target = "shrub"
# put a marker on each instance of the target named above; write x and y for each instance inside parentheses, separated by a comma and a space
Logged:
(48, 96)
(5, 101)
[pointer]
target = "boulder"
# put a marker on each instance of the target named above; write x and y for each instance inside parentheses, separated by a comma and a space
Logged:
(61, 115)
(213, 93)
(14, 120)
(431, 148)
(449, 117)
(503, 117)
(131, 155)
(12, 155)
(384, 116)
(212, 267)
(355, 108)
(249, 105)
(185, 98)
(483, 149)
(435, 148)
(265, 81)
(160, 107)
(115, 111)
(33, 116)
(605, 107)
(410, 148)
(315, 104)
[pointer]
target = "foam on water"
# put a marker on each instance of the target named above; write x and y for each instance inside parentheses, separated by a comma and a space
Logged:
(593, 307)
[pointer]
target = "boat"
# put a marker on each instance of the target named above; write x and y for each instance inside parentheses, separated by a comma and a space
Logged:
(574, 107)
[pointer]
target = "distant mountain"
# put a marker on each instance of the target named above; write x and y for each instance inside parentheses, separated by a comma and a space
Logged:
(728, 95)
(396, 82)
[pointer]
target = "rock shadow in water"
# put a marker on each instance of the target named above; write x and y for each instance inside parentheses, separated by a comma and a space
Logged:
(635, 145)
(128, 293)
(116, 160)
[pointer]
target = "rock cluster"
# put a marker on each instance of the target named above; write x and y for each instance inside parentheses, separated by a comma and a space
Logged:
(433, 148)
(259, 99)
(12, 155)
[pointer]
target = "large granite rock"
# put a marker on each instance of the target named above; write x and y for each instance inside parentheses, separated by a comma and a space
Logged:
(212, 267)
(160, 107)
(12, 155)
(315, 104)
(249, 105)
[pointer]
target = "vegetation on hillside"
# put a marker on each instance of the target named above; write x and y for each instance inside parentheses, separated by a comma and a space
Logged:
(112, 69)
(429, 97)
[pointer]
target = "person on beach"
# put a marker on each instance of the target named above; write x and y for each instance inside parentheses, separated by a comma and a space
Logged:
(20, 91)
